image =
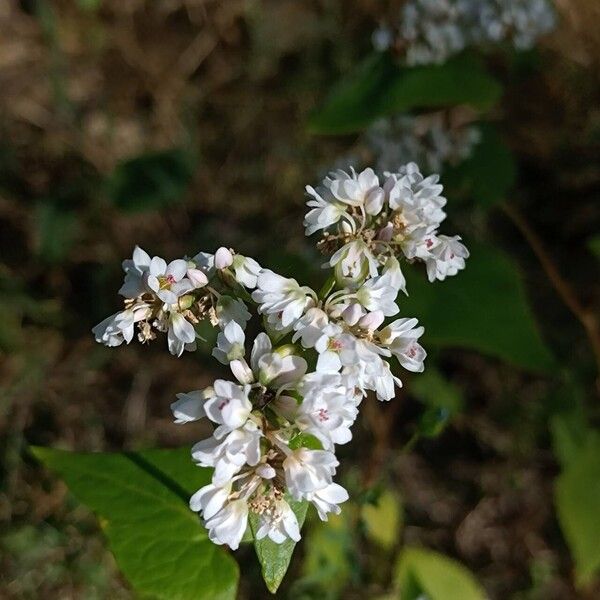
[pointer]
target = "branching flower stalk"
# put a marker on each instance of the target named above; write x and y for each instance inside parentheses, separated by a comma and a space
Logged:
(296, 389)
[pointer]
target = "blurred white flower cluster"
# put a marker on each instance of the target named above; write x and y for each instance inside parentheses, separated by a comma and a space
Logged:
(431, 31)
(295, 390)
(429, 140)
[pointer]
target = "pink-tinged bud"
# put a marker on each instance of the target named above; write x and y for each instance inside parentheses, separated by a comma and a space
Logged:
(374, 201)
(197, 277)
(223, 258)
(372, 320)
(353, 313)
(386, 233)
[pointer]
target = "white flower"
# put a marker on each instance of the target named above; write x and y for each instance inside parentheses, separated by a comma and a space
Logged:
(278, 523)
(353, 263)
(120, 327)
(210, 499)
(308, 470)
(197, 277)
(231, 309)
(401, 338)
(309, 328)
(378, 293)
(168, 281)
(325, 209)
(246, 270)
(229, 407)
(205, 262)
(357, 190)
(190, 406)
(447, 257)
(135, 271)
(328, 409)
(282, 296)
(181, 334)
(326, 499)
(335, 348)
(230, 343)
(229, 524)
(229, 454)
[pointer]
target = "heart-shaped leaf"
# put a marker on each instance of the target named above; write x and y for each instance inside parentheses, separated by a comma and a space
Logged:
(141, 501)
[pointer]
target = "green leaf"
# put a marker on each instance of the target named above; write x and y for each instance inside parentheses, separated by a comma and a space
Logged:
(383, 519)
(151, 181)
(577, 498)
(141, 499)
(483, 308)
(594, 245)
(379, 87)
(424, 573)
(488, 175)
(275, 558)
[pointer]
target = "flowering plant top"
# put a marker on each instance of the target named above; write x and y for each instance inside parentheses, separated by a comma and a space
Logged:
(295, 390)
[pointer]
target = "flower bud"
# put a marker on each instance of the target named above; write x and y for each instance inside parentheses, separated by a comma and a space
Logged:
(185, 302)
(241, 371)
(223, 258)
(197, 277)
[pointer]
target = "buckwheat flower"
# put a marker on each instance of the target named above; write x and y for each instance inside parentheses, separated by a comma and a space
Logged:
(168, 281)
(190, 406)
(205, 262)
(327, 410)
(282, 296)
(308, 470)
(229, 407)
(401, 338)
(325, 209)
(278, 523)
(246, 270)
(181, 334)
(335, 347)
(309, 328)
(353, 263)
(135, 269)
(120, 327)
(378, 294)
(447, 257)
(326, 499)
(229, 454)
(230, 343)
(356, 189)
(229, 524)
(210, 499)
(230, 309)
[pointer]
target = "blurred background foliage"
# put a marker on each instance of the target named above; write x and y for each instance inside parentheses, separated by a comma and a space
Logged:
(181, 125)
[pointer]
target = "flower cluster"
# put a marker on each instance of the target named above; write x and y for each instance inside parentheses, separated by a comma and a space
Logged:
(296, 386)
(431, 31)
(378, 221)
(429, 139)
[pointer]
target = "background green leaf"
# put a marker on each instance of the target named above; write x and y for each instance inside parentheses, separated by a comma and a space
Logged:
(151, 181)
(141, 501)
(488, 175)
(424, 573)
(379, 87)
(275, 558)
(577, 498)
(382, 519)
(485, 308)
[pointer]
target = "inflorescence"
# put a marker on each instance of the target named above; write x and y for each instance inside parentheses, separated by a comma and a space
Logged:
(296, 389)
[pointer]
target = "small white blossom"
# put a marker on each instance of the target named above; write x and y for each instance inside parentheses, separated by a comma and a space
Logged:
(447, 257)
(246, 271)
(308, 470)
(190, 407)
(282, 296)
(278, 523)
(230, 343)
(326, 499)
(135, 269)
(229, 407)
(168, 281)
(120, 327)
